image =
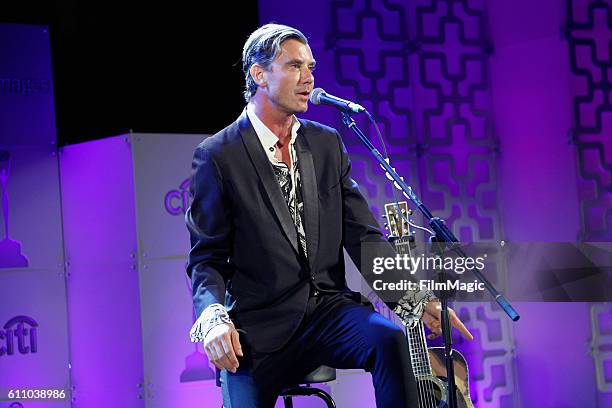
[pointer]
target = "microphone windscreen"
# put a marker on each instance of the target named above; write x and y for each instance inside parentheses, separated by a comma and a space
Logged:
(315, 96)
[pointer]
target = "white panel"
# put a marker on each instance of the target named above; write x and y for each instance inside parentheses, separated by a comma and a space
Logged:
(103, 287)
(177, 372)
(34, 215)
(344, 389)
(162, 167)
(105, 340)
(98, 202)
(39, 359)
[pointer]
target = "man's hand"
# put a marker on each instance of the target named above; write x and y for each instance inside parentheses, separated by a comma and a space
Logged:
(222, 346)
(432, 318)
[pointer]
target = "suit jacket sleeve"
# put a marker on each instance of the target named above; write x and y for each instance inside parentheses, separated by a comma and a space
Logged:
(209, 223)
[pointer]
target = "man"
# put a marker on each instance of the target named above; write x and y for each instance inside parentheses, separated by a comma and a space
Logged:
(273, 207)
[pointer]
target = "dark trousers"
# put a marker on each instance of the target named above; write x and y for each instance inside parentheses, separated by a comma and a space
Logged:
(338, 332)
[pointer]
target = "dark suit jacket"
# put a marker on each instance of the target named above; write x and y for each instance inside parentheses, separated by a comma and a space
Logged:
(244, 243)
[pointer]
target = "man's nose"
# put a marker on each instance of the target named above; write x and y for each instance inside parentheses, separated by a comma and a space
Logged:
(307, 76)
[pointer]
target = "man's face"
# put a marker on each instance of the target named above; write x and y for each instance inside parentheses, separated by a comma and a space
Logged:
(288, 81)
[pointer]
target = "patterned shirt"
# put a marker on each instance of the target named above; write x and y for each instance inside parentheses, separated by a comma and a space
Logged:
(288, 178)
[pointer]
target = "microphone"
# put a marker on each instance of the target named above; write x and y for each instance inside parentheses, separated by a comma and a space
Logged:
(319, 96)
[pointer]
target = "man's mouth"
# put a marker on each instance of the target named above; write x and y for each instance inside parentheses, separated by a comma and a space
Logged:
(304, 93)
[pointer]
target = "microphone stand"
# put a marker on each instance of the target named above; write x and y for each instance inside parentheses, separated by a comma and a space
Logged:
(443, 237)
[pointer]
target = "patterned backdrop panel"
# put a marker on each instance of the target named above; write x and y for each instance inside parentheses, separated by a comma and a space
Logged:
(491, 358)
(589, 33)
(372, 60)
(422, 68)
(454, 110)
(601, 345)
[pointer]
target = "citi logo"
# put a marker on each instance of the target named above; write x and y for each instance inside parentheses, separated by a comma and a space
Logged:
(177, 201)
(23, 328)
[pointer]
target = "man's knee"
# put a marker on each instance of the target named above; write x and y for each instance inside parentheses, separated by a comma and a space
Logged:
(391, 338)
(389, 348)
(241, 390)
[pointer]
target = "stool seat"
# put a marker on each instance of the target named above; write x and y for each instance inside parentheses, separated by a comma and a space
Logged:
(320, 375)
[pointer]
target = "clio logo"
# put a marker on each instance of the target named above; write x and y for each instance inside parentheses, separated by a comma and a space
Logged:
(20, 327)
(177, 201)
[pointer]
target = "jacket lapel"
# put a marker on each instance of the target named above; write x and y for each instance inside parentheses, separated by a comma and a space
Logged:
(309, 194)
(266, 174)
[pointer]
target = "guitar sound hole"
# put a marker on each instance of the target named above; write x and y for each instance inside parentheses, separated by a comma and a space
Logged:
(431, 394)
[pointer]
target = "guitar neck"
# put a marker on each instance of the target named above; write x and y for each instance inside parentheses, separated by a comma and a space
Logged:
(419, 356)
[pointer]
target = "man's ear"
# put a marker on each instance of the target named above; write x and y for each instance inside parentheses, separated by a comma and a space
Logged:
(257, 72)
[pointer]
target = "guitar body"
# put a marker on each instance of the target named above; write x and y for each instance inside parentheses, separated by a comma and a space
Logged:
(432, 388)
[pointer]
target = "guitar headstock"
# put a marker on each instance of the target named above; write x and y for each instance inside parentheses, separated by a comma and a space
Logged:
(398, 226)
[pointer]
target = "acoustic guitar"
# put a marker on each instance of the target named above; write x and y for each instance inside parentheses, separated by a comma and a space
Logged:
(428, 364)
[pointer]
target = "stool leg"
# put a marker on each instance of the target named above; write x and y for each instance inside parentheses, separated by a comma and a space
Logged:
(307, 391)
(325, 397)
